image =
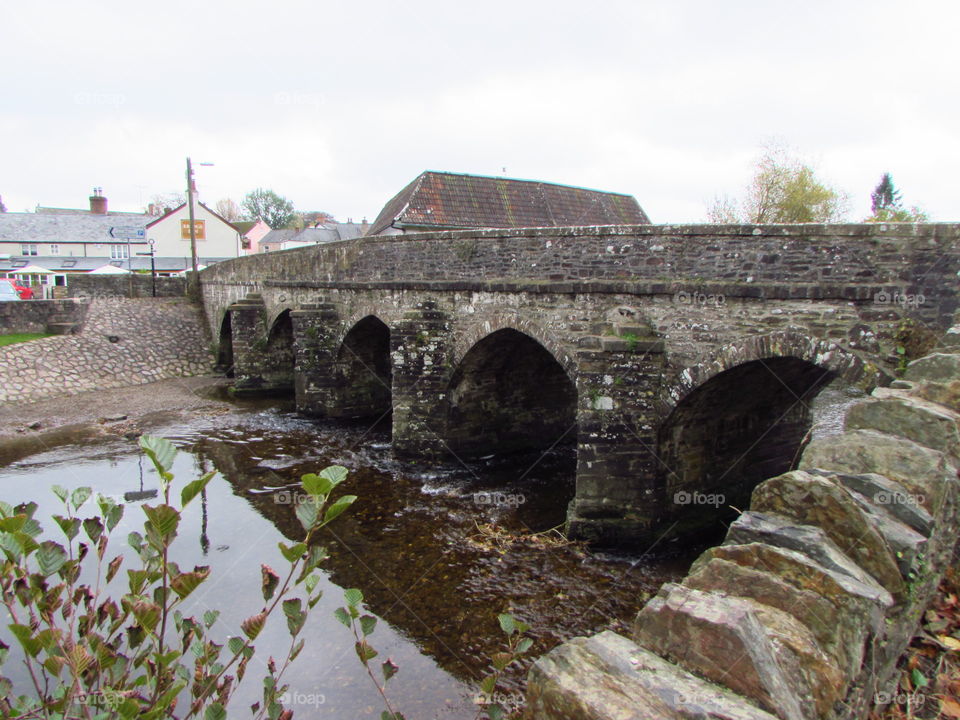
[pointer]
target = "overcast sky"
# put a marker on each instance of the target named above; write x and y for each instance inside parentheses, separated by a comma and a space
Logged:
(338, 105)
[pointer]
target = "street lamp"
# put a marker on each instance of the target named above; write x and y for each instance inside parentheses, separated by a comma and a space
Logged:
(193, 230)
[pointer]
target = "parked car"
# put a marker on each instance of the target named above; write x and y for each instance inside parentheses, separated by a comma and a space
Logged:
(25, 293)
(8, 291)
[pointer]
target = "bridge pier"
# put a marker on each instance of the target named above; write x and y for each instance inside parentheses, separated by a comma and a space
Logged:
(420, 351)
(617, 499)
(248, 331)
(315, 350)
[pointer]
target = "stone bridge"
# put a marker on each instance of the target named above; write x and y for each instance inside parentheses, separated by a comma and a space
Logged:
(680, 361)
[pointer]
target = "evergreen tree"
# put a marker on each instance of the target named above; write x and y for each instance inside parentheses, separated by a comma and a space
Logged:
(885, 196)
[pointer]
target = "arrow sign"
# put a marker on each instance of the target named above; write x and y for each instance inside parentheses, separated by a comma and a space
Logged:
(128, 232)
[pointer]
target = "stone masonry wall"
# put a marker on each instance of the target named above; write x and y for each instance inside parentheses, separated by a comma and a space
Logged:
(36, 316)
(137, 285)
(851, 262)
(124, 342)
(805, 609)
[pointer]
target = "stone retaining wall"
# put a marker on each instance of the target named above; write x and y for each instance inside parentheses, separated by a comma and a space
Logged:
(36, 316)
(124, 342)
(806, 607)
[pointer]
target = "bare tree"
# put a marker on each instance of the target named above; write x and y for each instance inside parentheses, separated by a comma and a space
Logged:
(228, 209)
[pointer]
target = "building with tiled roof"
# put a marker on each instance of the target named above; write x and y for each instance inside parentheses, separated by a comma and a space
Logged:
(450, 201)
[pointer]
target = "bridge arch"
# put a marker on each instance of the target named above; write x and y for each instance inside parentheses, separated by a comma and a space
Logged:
(508, 392)
(747, 420)
(225, 345)
(363, 370)
(825, 354)
(513, 321)
(279, 370)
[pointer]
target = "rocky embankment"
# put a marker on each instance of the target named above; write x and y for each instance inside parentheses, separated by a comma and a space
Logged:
(804, 610)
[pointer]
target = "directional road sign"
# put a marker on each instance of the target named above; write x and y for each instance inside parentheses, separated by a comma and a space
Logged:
(128, 232)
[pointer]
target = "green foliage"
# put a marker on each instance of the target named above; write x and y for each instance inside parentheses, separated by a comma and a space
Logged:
(783, 190)
(275, 210)
(887, 204)
(89, 655)
(14, 338)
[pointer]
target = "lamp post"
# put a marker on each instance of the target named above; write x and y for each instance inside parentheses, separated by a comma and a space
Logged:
(193, 230)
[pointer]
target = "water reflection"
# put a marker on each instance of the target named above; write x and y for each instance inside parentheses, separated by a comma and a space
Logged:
(438, 552)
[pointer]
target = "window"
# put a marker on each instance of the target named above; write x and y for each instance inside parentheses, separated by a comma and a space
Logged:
(28, 249)
(119, 252)
(54, 249)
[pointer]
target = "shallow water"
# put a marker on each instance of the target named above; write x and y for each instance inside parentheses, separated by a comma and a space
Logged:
(438, 551)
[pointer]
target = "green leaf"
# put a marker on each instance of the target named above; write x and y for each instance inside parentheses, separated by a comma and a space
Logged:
(342, 615)
(315, 485)
(364, 651)
(336, 474)
(80, 496)
(216, 711)
(367, 624)
(146, 613)
(307, 512)
(495, 712)
(192, 489)
(294, 552)
(268, 581)
(918, 679)
(162, 518)
(236, 644)
(93, 528)
(338, 507)
(353, 597)
(24, 635)
(253, 625)
(311, 582)
(61, 492)
(210, 617)
(389, 669)
(160, 451)
(296, 617)
(50, 557)
(524, 645)
(14, 523)
(185, 583)
(507, 623)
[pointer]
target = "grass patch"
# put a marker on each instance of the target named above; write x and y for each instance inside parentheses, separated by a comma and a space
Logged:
(20, 337)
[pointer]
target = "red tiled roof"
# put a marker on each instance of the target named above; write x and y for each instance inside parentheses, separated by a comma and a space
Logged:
(447, 200)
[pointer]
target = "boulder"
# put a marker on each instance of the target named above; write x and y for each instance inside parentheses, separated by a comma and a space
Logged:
(922, 471)
(779, 531)
(938, 367)
(815, 500)
(895, 412)
(609, 677)
(721, 639)
(891, 495)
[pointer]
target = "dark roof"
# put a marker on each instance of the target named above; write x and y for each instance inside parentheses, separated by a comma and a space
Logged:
(244, 226)
(61, 227)
(447, 200)
(79, 211)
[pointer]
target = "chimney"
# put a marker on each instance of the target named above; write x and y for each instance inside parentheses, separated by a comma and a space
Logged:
(364, 226)
(98, 203)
